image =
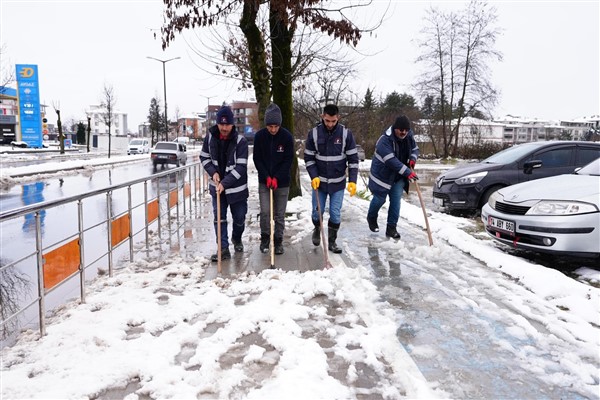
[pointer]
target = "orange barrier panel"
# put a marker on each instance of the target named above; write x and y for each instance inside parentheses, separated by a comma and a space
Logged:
(173, 198)
(60, 263)
(119, 229)
(152, 211)
(187, 190)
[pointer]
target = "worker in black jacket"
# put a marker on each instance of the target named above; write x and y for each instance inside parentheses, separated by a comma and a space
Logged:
(273, 156)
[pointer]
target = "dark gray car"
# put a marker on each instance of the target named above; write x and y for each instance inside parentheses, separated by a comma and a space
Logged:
(468, 187)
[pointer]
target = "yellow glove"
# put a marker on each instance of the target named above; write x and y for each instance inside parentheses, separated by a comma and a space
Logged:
(351, 188)
(315, 183)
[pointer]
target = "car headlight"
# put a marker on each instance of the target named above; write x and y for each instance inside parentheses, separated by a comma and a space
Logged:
(494, 198)
(550, 207)
(471, 179)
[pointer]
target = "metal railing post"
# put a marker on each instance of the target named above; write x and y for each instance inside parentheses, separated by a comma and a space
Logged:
(109, 232)
(81, 251)
(40, 265)
(158, 202)
(146, 222)
(177, 183)
(130, 211)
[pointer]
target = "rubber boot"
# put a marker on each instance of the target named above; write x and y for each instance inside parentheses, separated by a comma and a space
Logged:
(278, 243)
(332, 233)
(264, 243)
(316, 236)
(391, 232)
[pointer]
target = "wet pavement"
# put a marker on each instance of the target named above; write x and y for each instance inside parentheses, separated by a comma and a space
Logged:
(457, 318)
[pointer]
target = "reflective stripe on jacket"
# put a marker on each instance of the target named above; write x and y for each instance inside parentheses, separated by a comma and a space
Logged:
(390, 161)
(235, 180)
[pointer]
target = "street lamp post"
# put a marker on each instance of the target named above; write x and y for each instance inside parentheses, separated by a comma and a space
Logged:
(165, 91)
(207, 110)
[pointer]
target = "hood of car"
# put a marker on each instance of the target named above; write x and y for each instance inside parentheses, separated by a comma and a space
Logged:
(468, 169)
(562, 187)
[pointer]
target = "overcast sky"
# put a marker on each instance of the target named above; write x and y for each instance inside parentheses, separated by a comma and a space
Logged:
(550, 68)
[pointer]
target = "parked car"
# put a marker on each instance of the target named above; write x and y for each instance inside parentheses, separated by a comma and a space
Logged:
(168, 153)
(361, 152)
(138, 146)
(469, 187)
(560, 214)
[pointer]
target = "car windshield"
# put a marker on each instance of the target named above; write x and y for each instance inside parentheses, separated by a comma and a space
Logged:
(136, 142)
(592, 168)
(511, 154)
(166, 146)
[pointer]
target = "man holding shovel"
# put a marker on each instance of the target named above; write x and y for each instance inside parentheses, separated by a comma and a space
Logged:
(330, 151)
(224, 157)
(273, 156)
(396, 153)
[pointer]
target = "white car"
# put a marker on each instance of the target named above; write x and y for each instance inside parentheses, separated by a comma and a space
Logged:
(168, 153)
(138, 146)
(559, 214)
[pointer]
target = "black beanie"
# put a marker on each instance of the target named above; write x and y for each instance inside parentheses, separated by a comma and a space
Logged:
(402, 123)
(273, 115)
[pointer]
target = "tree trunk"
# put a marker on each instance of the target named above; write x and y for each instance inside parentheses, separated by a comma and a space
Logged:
(281, 80)
(61, 137)
(259, 70)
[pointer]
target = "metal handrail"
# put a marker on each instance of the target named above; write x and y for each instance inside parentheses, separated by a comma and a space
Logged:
(194, 176)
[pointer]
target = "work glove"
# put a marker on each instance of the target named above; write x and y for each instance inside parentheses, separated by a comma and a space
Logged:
(351, 188)
(411, 164)
(273, 183)
(269, 181)
(413, 177)
(315, 183)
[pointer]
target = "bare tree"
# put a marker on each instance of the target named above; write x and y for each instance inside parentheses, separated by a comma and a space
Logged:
(108, 104)
(456, 49)
(286, 19)
(7, 72)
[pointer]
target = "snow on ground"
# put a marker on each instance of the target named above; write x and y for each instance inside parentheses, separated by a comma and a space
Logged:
(159, 329)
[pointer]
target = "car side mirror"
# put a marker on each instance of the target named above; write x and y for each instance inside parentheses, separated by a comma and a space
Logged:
(529, 166)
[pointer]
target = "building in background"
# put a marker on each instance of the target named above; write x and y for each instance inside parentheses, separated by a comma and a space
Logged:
(119, 121)
(8, 115)
(190, 126)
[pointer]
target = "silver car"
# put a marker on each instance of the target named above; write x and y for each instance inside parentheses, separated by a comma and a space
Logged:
(560, 214)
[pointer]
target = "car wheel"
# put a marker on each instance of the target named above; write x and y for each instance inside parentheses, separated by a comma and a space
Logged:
(177, 164)
(486, 195)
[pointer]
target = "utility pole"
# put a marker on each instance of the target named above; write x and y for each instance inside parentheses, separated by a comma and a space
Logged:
(165, 91)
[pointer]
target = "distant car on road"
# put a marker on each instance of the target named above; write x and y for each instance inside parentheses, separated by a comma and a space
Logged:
(469, 187)
(138, 146)
(168, 153)
(559, 214)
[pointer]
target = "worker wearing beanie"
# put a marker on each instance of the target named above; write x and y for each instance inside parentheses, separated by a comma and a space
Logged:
(396, 153)
(273, 156)
(224, 156)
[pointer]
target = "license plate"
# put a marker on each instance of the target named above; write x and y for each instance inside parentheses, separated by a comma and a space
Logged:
(162, 156)
(502, 225)
(438, 201)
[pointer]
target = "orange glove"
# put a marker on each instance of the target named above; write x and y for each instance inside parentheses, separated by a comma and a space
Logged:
(351, 188)
(315, 183)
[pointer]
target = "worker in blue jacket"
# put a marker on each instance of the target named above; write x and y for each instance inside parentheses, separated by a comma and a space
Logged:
(396, 153)
(329, 152)
(273, 155)
(224, 156)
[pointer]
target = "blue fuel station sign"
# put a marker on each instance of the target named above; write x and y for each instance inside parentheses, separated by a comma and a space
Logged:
(28, 95)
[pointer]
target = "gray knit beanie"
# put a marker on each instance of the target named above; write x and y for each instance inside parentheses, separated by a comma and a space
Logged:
(273, 115)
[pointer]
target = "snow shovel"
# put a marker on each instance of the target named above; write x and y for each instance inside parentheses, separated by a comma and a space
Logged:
(218, 231)
(424, 211)
(325, 253)
(272, 239)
